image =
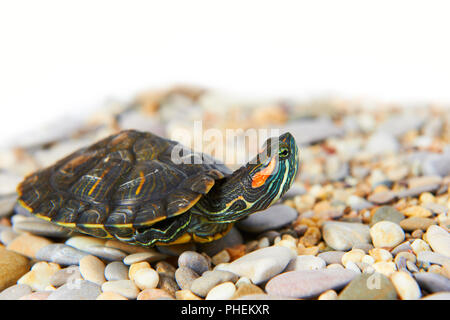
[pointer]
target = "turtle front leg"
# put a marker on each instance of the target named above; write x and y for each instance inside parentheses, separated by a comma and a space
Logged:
(203, 230)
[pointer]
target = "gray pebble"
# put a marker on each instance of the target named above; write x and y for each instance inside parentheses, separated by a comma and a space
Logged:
(194, 261)
(107, 253)
(15, 292)
(61, 254)
(79, 290)
(274, 217)
(432, 282)
(344, 235)
(116, 270)
(67, 275)
(210, 279)
(430, 257)
(387, 213)
(185, 276)
(41, 228)
(331, 257)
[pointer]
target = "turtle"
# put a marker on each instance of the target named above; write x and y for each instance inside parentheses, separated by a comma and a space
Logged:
(146, 190)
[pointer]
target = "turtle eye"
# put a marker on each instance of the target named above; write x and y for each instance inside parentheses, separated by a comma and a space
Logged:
(283, 153)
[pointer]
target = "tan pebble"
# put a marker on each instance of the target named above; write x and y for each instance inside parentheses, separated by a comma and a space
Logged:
(223, 291)
(354, 255)
(311, 237)
(335, 266)
(126, 288)
(153, 294)
(146, 278)
(137, 266)
(186, 295)
(245, 289)
(12, 267)
(407, 255)
(384, 267)
(301, 250)
(328, 295)
(241, 281)
(28, 244)
(416, 211)
(221, 257)
(426, 197)
(38, 278)
(368, 259)
(417, 234)
(380, 254)
(419, 245)
(439, 239)
(386, 234)
(84, 242)
(288, 244)
(143, 256)
(405, 285)
(92, 269)
(36, 296)
(109, 295)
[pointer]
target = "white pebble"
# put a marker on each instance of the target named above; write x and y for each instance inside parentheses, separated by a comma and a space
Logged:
(146, 278)
(223, 291)
(407, 288)
(386, 234)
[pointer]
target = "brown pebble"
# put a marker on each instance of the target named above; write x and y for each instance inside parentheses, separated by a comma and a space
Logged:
(153, 294)
(28, 244)
(246, 289)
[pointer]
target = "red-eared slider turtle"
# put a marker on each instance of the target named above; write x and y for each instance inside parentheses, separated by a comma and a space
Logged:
(132, 186)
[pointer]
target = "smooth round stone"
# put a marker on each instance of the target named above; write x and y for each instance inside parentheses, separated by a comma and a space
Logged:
(385, 267)
(110, 296)
(419, 245)
(137, 266)
(194, 261)
(273, 217)
(405, 246)
(146, 278)
(416, 191)
(184, 277)
(373, 286)
(223, 291)
(245, 289)
(7, 203)
(308, 283)
(92, 269)
(294, 190)
(106, 253)
(67, 275)
(382, 197)
(143, 256)
(38, 278)
(41, 228)
(429, 257)
(210, 279)
(262, 264)
(116, 270)
(28, 245)
(15, 292)
(306, 262)
(60, 254)
(439, 240)
(84, 242)
(438, 296)
(79, 290)
(223, 257)
(328, 295)
(263, 297)
(186, 295)
(344, 235)
(12, 267)
(387, 213)
(331, 257)
(354, 255)
(415, 223)
(126, 288)
(407, 288)
(231, 239)
(432, 282)
(154, 294)
(358, 203)
(386, 234)
(379, 254)
(416, 211)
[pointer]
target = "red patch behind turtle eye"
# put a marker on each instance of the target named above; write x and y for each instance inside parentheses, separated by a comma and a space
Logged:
(261, 176)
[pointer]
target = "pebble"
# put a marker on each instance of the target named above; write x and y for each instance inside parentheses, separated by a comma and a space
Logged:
(185, 276)
(386, 234)
(223, 291)
(143, 256)
(386, 213)
(7, 235)
(109, 295)
(438, 296)
(28, 245)
(61, 254)
(153, 294)
(38, 278)
(416, 211)
(273, 217)
(383, 197)
(245, 289)
(7, 203)
(12, 267)
(419, 245)
(67, 275)
(379, 254)
(312, 130)
(125, 247)
(15, 292)
(385, 267)
(92, 269)
(110, 254)
(308, 283)
(382, 143)
(429, 257)
(262, 264)
(41, 227)
(84, 242)
(331, 257)
(373, 286)
(146, 278)
(79, 290)
(222, 257)
(414, 223)
(328, 295)
(186, 295)
(137, 266)
(116, 270)
(202, 285)
(195, 261)
(405, 246)
(344, 235)
(407, 288)
(126, 288)
(354, 255)
(432, 282)
(306, 262)
(231, 239)
(176, 249)
(439, 240)
(36, 296)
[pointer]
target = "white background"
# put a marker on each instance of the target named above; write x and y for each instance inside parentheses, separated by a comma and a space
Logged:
(64, 57)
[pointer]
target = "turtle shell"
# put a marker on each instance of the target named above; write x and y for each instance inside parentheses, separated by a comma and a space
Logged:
(121, 184)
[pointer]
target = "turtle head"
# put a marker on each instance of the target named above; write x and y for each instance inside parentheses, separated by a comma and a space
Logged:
(273, 170)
